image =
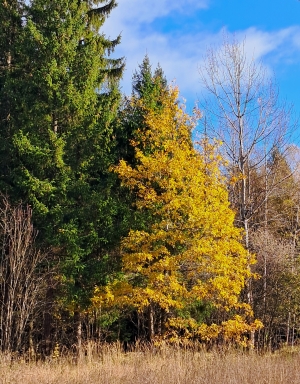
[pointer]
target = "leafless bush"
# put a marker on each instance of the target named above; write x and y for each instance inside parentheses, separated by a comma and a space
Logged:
(21, 279)
(276, 294)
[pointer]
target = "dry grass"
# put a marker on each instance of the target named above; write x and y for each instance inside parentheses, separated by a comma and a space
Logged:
(167, 366)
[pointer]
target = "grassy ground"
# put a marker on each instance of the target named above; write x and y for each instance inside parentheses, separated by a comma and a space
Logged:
(167, 366)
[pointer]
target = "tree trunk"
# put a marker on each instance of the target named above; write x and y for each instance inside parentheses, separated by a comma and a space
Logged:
(78, 327)
(151, 332)
(48, 321)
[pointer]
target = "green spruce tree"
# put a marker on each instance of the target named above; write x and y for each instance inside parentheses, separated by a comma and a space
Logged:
(56, 146)
(149, 86)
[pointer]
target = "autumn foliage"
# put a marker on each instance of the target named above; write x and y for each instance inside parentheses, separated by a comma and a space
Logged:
(188, 251)
(136, 232)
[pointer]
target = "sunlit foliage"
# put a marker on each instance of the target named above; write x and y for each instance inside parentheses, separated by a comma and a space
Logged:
(189, 250)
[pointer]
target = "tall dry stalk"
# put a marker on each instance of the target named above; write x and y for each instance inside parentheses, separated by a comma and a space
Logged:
(163, 366)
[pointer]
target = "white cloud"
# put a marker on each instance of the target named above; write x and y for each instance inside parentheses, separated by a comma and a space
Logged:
(139, 11)
(176, 54)
(262, 43)
(181, 54)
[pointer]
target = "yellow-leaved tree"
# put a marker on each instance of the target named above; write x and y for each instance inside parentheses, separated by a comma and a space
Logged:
(185, 267)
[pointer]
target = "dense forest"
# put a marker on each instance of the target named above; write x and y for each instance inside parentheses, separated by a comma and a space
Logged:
(123, 217)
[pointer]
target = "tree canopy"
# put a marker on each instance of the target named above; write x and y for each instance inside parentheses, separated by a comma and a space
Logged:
(189, 251)
(114, 223)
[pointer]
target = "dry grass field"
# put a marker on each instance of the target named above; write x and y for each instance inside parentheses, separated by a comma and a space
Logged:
(167, 366)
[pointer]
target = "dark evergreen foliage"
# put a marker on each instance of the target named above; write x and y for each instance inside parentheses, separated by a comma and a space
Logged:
(58, 97)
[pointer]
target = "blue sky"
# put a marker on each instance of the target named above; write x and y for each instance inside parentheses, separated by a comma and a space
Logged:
(177, 34)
